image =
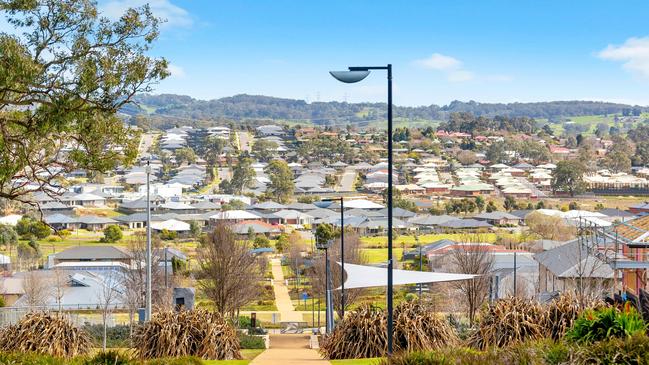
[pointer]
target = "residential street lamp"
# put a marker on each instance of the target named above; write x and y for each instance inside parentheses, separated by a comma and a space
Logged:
(147, 310)
(329, 317)
(356, 74)
(342, 252)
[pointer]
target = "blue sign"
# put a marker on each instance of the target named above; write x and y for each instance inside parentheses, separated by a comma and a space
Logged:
(305, 296)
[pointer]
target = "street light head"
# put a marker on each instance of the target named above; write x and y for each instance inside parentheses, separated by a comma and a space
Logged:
(349, 77)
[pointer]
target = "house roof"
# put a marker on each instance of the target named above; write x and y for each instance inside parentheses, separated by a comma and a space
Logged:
(93, 253)
(431, 220)
(60, 219)
(497, 216)
(256, 225)
(93, 219)
(568, 261)
(465, 223)
(362, 204)
(398, 213)
(234, 215)
(171, 225)
(269, 205)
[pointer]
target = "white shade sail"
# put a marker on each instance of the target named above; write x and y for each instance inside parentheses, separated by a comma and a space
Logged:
(361, 276)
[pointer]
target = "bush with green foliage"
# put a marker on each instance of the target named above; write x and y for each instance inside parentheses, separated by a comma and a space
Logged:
(8, 235)
(112, 234)
(168, 235)
(29, 227)
(261, 241)
(251, 341)
(597, 325)
(116, 336)
(110, 357)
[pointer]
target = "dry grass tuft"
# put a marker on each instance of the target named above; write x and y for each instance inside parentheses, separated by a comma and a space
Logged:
(46, 333)
(197, 333)
(562, 311)
(363, 333)
(508, 322)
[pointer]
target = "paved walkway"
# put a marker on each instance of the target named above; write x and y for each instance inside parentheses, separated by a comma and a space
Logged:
(289, 350)
(282, 299)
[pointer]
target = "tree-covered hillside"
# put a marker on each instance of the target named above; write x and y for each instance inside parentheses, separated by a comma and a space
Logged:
(246, 107)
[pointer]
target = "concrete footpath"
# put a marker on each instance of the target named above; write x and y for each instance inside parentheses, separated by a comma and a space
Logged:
(289, 350)
(282, 299)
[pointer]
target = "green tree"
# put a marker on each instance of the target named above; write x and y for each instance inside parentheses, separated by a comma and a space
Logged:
(195, 229)
(510, 203)
(491, 207)
(112, 234)
(568, 177)
(264, 149)
(281, 186)
(213, 148)
(8, 237)
(480, 203)
(282, 243)
(618, 159)
(243, 176)
(324, 232)
(261, 241)
(28, 227)
(185, 154)
(62, 81)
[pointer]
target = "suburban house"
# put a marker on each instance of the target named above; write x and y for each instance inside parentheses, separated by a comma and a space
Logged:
(563, 267)
(91, 258)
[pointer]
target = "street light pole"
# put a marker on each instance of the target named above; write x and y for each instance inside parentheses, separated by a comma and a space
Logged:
(356, 74)
(147, 310)
(342, 258)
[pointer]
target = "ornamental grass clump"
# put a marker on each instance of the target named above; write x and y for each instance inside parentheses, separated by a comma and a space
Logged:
(199, 333)
(564, 310)
(508, 322)
(597, 325)
(46, 333)
(363, 332)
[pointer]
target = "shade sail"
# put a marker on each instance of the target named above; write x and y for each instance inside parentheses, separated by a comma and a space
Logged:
(361, 276)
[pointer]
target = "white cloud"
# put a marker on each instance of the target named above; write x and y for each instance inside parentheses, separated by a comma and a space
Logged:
(460, 76)
(176, 71)
(634, 53)
(439, 62)
(172, 15)
(450, 66)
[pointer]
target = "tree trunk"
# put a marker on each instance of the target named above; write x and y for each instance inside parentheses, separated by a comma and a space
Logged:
(104, 339)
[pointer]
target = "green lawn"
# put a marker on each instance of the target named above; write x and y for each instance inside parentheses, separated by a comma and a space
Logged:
(376, 255)
(248, 356)
(410, 241)
(372, 361)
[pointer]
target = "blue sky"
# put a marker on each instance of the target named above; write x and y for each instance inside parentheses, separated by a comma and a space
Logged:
(491, 51)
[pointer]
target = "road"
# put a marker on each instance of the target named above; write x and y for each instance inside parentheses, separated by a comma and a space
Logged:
(145, 143)
(245, 141)
(347, 180)
(531, 186)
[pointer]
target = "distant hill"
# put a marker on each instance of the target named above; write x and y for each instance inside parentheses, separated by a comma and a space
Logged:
(256, 107)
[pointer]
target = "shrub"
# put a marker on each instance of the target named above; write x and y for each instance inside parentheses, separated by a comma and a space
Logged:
(116, 336)
(197, 333)
(112, 234)
(631, 350)
(111, 357)
(46, 333)
(507, 322)
(168, 235)
(597, 325)
(251, 342)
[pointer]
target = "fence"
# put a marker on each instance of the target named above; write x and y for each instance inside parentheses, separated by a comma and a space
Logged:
(619, 189)
(78, 314)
